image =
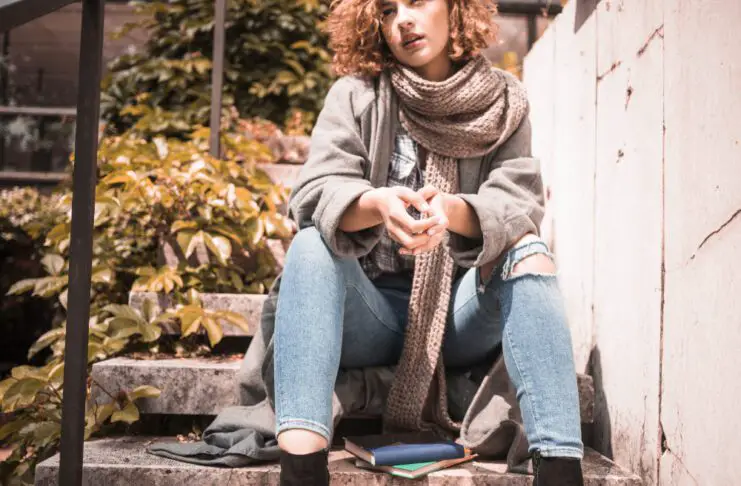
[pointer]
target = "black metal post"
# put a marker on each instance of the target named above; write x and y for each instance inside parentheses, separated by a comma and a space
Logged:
(4, 85)
(532, 30)
(217, 76)
(81, 242)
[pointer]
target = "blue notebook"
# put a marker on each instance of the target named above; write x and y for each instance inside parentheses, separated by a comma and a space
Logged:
(409, 448)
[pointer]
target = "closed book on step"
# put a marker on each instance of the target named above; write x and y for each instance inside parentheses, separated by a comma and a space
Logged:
(414, 471)
(407, 448)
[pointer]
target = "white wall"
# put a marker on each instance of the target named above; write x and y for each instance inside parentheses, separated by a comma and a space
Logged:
(635, 108)
(702, 313)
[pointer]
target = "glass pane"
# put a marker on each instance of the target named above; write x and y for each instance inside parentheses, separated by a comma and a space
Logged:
(40, 60)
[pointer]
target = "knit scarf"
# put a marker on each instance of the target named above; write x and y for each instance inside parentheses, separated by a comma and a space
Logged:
(467, 115)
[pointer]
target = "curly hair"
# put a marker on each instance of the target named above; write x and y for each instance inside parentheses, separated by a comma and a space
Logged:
(355, 35)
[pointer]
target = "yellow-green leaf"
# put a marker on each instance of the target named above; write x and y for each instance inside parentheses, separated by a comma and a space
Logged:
(4, 385)
(94, 351)
(213, 329)
(181, 225)
(22, 286)
(104, 412)
(124, 311)
(144, 391)
(129, 414)
(53, 263)
(235, 318)
(46, 430)
(25, 372)
(48, 286)
(103, 275)
(189, 322)
(150, 332)
(56, 374)
(63, 298)
(193, 244)
(46, 339)
(21, 394)
(220, 247)
(11, 427)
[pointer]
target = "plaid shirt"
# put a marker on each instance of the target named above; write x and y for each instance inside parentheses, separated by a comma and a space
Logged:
(404, 170)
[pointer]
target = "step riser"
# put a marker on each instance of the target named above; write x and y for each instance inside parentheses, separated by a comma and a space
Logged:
(197, 387)
(247, 305)
(185, 390)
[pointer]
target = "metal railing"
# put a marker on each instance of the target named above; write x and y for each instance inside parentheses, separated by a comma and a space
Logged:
(12, 14)
(17, 12)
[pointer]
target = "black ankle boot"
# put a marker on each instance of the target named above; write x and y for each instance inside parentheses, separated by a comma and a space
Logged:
(304, 470)
(557, 471)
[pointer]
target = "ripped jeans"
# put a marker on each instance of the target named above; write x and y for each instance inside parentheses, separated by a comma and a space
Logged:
(330, 315)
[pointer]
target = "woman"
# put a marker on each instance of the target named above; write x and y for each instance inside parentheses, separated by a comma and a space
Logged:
(419, 247)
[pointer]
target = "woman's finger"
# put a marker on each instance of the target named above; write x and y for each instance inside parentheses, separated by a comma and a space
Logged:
(434, 242)
(413, 199)
(428, 192)
(406, 222)
(408, 241)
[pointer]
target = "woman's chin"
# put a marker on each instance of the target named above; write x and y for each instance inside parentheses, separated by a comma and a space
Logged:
(416, 59)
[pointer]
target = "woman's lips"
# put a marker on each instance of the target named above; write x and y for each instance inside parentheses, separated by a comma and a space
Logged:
(414, 44)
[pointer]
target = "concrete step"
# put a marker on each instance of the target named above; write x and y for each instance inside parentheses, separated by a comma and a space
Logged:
(248, 305)
(125, 462)
(285, 174)
(204, 386)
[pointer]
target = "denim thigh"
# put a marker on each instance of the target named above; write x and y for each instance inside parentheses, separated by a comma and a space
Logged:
(474, 328)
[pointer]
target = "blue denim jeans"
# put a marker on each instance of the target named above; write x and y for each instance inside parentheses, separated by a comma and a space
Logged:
(330, 315)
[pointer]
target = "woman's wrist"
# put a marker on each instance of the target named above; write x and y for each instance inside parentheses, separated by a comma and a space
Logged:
(463, 219)
(363, 213)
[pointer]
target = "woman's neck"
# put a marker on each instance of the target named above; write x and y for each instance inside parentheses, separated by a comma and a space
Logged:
(438, 69)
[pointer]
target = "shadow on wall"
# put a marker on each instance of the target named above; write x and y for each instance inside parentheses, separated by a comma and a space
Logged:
(584, 10)
(601, 434)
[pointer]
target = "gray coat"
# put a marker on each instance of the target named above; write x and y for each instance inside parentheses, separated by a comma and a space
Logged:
(350, 151)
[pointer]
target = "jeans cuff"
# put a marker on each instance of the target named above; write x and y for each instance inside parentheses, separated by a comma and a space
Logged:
(571, 452)
(303, 424)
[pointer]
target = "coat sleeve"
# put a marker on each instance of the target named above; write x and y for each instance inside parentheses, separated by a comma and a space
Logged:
(509, 203)
(333, 176)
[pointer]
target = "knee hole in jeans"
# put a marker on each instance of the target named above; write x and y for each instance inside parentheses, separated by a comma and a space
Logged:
(535, 264)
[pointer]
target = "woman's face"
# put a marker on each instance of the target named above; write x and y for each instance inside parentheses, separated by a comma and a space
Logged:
(417, 33)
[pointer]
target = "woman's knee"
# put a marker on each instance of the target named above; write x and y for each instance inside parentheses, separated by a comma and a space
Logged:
(309, 251)
(529, 256)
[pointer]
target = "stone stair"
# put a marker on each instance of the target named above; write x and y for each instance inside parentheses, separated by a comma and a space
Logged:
(210, 385)
(124, 462)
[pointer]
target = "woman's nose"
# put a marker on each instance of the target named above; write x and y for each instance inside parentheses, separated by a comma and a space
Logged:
(404, 19)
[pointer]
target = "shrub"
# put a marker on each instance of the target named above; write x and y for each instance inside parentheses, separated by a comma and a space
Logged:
(276, 64)
(152, 195)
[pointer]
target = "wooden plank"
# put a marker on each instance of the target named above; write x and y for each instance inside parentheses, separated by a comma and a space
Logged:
(33, 177)
(529, 7)
(702, 323)
(37, 111)
(539, 70)
(573, 174)
(628, 234)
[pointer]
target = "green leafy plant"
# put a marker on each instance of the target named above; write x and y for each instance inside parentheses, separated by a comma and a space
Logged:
(168, 218)
(276, 64)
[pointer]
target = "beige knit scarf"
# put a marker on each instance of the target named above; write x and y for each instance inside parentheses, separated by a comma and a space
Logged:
(467, 115)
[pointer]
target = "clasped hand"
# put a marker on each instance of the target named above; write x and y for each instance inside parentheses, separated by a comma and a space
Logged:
(416, 236)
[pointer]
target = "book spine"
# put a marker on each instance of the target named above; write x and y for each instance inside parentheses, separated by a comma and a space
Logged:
(414, 453)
